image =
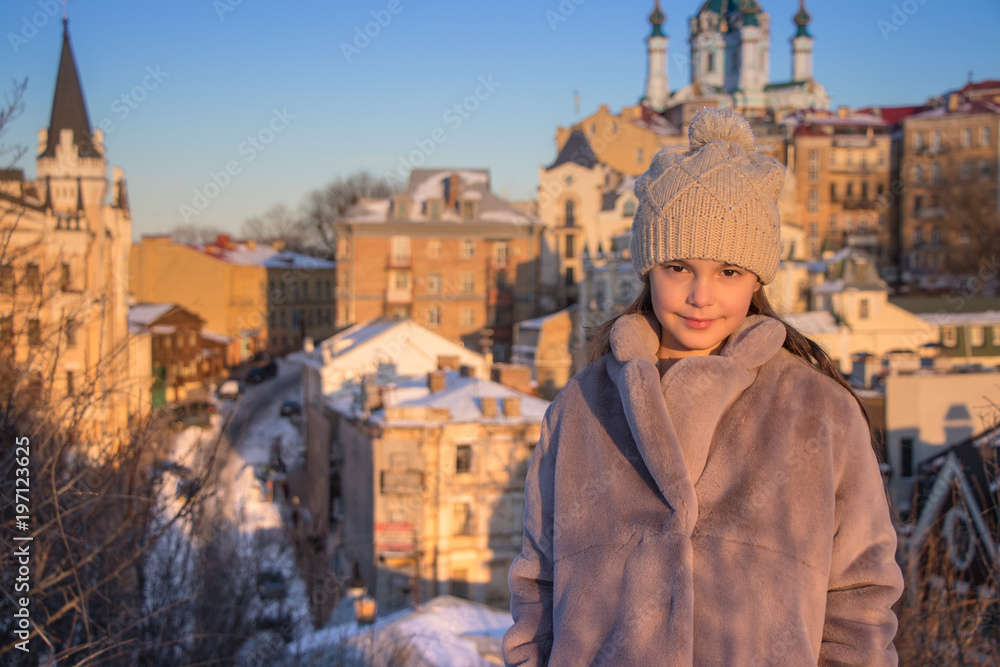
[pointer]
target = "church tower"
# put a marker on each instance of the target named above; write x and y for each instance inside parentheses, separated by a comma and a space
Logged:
(753, 46)
(802, 46)
(657, 82)
(71, 159)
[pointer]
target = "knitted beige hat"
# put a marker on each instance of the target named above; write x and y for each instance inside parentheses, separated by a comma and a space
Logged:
(717, 200)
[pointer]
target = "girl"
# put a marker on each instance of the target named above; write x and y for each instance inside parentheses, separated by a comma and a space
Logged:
(705, 492)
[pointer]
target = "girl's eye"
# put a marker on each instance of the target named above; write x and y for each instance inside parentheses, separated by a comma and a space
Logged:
(730, 273)
(676, 268)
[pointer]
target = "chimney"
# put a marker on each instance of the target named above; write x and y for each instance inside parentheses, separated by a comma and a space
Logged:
(489, 406)
(843, 111)
(452, 192)
(251, 245)
(449, 361)
(371, 396)
(953, 101)
(512, 406)
(222, 240)
(515, 376)
(436, 381)
(467, 371)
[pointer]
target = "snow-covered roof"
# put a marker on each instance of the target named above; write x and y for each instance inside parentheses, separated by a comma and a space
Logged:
(216, 337)
(242, 254)
(145, 313)
(987, 318)
(965, 107)
(462, 396)
(430, 184)
(294, 260)
(537, 322)
(356, 336)
(812, 322)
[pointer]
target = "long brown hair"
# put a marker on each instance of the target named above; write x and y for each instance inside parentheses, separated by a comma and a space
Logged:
(795, 342)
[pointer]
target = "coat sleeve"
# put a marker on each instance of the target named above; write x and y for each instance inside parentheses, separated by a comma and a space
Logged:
(529, 640)
(865, 580)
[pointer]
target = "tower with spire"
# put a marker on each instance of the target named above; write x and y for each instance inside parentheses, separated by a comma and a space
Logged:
(657, 81)
(76, 240)
(802, 46)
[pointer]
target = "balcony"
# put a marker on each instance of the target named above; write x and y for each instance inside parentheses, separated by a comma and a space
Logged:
(399, 295)
(398, 262)
(856, 203)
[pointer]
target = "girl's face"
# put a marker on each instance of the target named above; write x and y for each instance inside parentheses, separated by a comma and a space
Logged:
(698, 302)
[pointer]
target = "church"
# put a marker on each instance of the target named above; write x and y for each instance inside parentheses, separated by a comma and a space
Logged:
(585, 195)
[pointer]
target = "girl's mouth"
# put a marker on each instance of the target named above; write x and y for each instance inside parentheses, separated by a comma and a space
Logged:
(696, 323)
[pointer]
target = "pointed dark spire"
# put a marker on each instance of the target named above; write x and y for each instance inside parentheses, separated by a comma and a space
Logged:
(69, 111)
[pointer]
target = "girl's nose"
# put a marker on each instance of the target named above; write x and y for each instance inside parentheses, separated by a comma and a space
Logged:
(701, 294)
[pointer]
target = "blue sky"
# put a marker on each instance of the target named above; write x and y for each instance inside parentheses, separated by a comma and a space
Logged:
(229, 70)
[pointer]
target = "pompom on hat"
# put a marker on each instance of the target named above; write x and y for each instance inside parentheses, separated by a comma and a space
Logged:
(716, 200)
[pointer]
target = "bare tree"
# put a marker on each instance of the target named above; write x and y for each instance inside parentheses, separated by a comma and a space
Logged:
(321, 207)
(195, 235)
(12, 107)
(278, 223)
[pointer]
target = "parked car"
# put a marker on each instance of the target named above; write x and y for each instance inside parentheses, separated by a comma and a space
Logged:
(289, 408)
(194, 413)
(230, 390)
(261, 373)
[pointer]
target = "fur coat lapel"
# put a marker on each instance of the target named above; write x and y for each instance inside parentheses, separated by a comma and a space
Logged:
(672, 422)
(674, 418)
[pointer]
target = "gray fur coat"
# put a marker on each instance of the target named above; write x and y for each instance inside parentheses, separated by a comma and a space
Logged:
(730, 513)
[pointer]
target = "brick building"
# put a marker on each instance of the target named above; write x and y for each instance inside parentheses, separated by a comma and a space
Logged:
(446, 252)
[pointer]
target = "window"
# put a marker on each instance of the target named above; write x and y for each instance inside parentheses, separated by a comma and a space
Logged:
(570, 213)
(468, 210)
(434, 249)
(435, 207)
(918, 140)
(434, 316)
(281, 317)
(833, 223)
(569, 180)
(984, 169)
(906, 457)
(710, 65)
(814, 229)
(848, 222)
(918, 235)
(949, 336)
(33, 279)
(70, 389)
(463, 519)
(468, 317)
(984, 136)
(463, 458)
(936, 236)
(7, 330)
(400, 252)
(864, 190)
(570, 246)
(402, 210)
(850, 189)
(881, 158)
(468, 282)
(813, 165)
(629, 209)
(6, 279)
(500, 252)
(34, 333)
(965, 236)
(813, 200)
(434, 283)
(70, 331)
(833, 191)
(966, 137)
(918, 204)
(305, 288)
(918, 173)
(936, 140)
(863, 309)
(401, 279)
(570, 276)
(468, 249)
(935, 173)
(64, 282)
(977, 336)
(995, 335)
